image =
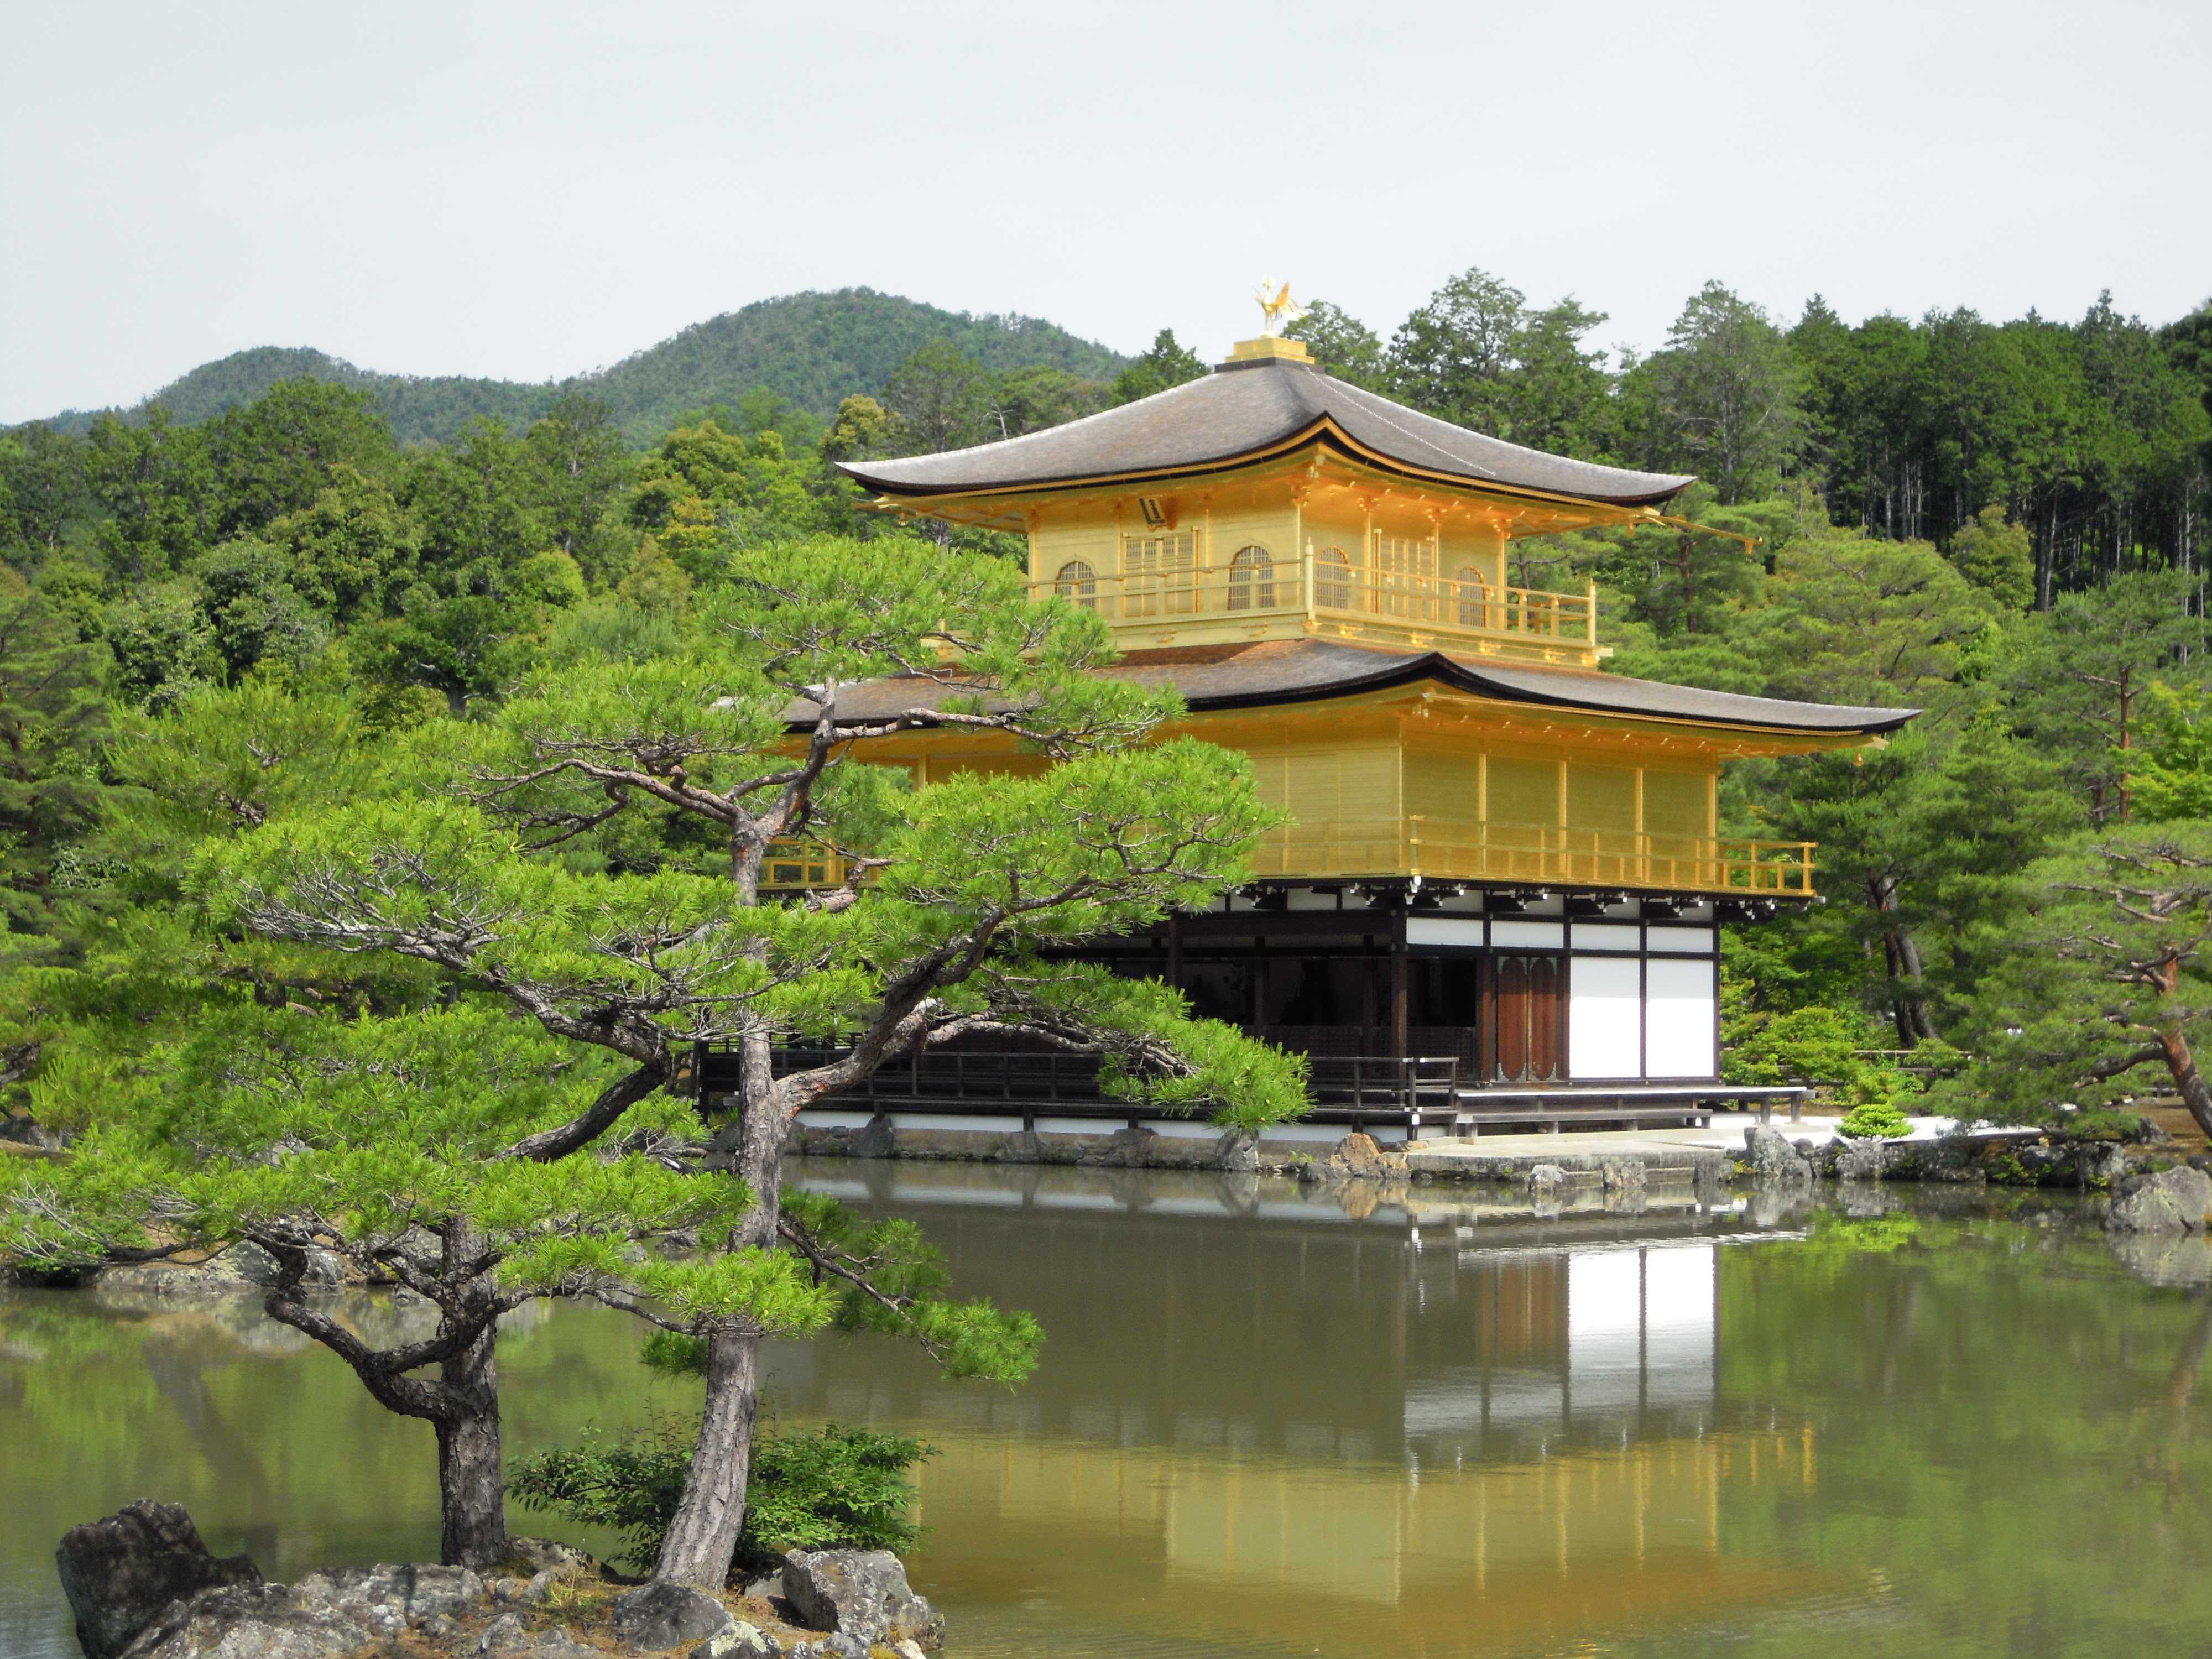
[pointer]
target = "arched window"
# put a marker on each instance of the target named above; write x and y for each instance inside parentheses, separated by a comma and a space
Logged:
(1332, 578)
(1076, 581)
(1473, 598)
(1252, 579)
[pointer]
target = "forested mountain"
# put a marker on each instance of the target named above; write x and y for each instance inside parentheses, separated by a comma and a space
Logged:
(812, 348)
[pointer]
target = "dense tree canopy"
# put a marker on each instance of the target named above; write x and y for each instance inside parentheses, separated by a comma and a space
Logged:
(1997, 522)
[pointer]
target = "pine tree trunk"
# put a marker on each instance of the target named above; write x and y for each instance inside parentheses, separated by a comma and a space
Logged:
(2188, 1081)
(1922, 1024)
(1901, 955)
(471, 1480)
(702, 1537)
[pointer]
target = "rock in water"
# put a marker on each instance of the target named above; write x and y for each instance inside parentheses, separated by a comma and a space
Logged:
(859, 1593)
(1772, 1157)
(1863, 1160)
(2174, 1200)
(1548, 1183)
(120, 1573)
(1360, 1157)
(2101, 1160)
(1237, 1150)
(656, 1616)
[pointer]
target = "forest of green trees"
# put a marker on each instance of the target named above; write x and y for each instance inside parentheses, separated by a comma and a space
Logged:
(1997, 522)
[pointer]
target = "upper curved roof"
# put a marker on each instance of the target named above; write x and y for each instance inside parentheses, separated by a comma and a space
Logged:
(1244, 409)
(1274, 672)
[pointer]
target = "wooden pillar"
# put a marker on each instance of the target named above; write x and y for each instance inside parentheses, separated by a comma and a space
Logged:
(1400, 1001)
(1175, 953)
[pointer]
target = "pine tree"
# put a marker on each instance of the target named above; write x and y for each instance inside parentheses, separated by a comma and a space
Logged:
(53, 720)
(455, 861)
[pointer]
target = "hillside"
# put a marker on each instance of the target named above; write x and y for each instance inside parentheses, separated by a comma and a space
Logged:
(813, 349)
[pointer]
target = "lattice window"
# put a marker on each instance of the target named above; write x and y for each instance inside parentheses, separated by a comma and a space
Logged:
(1473, 598)
(1405, 573)
(1252, 579)
(1160, 574)
(1079, 583)
(1332, 578)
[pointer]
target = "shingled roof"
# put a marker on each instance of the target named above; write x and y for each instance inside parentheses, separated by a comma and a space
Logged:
(1277, 671)
(1244, 411)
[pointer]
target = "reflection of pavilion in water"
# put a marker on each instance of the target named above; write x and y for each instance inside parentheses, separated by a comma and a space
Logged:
(1529, 1436)
(1581, 1346)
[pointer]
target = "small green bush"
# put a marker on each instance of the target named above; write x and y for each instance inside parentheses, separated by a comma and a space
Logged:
(1819, 1045)
(838, 1488)
(1874, 1120)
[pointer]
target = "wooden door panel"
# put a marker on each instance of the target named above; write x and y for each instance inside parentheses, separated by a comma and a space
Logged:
(1522, 1025)
(1543, 1020)
(1512, 1018)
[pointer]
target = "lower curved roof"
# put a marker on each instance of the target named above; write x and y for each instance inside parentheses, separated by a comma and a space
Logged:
(1277, 671)
(1245, 410)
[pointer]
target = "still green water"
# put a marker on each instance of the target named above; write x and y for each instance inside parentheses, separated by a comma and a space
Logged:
(1269, 1424)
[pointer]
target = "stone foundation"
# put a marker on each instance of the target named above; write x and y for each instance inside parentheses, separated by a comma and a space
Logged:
(1110, 1148)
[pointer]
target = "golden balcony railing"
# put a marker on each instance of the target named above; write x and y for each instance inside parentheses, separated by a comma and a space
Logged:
(1539, 854)
(802, 866)
(1314, 594)
(1440, 849)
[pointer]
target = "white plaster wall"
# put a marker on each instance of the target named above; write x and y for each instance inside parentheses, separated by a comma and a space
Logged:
(1602, 1017)
(1442, 930)
(1679, 1020)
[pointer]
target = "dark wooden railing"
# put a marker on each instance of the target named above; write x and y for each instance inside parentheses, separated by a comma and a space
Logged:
(1343, 1089)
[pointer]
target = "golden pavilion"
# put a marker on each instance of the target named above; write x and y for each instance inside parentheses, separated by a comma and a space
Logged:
(1503, 858)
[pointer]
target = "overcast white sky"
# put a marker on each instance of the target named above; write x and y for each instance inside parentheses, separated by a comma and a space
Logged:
(529, 190)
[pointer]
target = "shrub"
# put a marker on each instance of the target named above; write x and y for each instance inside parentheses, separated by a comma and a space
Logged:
(1816, 1044)
(837, 1488)
(1874, 1120)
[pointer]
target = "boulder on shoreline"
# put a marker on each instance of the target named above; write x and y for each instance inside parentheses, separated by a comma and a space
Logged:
(861, 1594)
(2175, 1200)
(143, 1586)
(328, 1614)
(657, 1616)
(1769, 1157)
(123, 1572)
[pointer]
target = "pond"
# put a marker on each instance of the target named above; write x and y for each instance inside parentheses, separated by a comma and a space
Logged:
(1271, 1422)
